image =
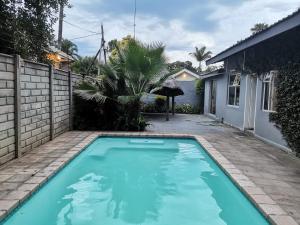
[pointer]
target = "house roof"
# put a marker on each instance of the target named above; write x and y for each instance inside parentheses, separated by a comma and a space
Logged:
(214, 73)
(277, 28)
(185, 71)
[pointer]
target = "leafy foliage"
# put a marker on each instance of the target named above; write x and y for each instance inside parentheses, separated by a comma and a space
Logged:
(287, 116)
(160, 102)
(259, 27)
(117, 92)
(82, 65)
(201, 55)
(178, 65)
(200, 92)
(114, 46)
(271, 55)
(69, 48)
(27, 27)
(187, 109)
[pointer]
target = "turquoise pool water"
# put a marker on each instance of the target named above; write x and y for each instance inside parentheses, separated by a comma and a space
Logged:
(121, 181)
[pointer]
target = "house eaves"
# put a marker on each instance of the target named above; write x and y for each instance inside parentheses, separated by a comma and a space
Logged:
(215, 73)
(277, 28)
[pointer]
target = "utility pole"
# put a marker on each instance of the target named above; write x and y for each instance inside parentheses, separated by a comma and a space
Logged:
(102, 46)
(103, 43)
(60, 25)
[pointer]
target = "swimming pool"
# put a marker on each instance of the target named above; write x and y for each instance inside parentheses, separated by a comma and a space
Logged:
(118, 181)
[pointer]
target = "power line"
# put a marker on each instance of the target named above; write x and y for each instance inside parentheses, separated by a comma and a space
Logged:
(85, 36)
(102, 46)
(74, 25)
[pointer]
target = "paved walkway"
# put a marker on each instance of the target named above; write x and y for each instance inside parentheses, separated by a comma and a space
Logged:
(20, 177)
(276, 172)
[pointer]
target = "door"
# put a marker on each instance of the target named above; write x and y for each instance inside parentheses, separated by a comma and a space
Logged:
(250, 102)
(213, 96)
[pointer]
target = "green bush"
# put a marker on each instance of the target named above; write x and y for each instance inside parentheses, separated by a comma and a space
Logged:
(160, 101)
(287, 117)
(187, 109)
(149, 108)
(200, 87)
(90, 115)
(159, 105)
(129, 118)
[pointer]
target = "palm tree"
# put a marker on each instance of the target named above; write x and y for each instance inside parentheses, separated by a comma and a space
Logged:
(137, 69)
(69, 48)
(200, 55)
(259, 27)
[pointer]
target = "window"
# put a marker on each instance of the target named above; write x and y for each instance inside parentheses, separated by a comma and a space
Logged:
(269, 91)
(234, 88)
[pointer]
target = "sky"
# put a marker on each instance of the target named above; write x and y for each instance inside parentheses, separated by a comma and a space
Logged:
(179, 24)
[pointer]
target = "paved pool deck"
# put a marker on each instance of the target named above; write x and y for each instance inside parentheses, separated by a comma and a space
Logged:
(257, 166)
(276, 172)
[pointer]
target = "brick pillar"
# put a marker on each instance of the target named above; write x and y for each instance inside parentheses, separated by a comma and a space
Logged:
(17, 107)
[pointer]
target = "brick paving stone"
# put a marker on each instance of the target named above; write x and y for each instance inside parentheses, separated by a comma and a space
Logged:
(283, 220)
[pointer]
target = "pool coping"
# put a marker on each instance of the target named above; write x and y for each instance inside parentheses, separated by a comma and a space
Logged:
(268, 207)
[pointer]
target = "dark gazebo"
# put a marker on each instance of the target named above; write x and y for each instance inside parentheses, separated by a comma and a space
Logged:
(169, 89)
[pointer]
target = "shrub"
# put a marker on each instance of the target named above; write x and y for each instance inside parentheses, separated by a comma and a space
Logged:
(90, 115)
(160, 103)
(129, 118)
(287, 117)
(187, 109)
(149, 108)
(200, 87)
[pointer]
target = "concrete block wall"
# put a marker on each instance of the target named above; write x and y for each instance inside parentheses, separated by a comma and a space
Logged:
(7, 132)
(61, 102)
(35, 117)
(38, 110)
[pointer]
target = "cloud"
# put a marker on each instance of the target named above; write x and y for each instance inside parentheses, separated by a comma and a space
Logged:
(149, 29)
(180, 25)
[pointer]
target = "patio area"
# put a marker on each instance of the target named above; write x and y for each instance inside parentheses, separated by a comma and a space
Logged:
(276, 172)
(268, 167)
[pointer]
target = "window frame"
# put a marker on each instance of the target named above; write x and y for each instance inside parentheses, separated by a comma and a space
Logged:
(269, 78)
(235, 86)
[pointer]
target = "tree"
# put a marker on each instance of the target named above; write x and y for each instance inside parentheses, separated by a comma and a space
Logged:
(6, 33)
(178, 65)
(137, 68)
(82, 65)
(259, 27)
(114, 44)
(69, 48)
(28, 27)
(200, 55)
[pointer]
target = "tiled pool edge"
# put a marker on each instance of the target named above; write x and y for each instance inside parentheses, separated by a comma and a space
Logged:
(269, 208)
(24, 192)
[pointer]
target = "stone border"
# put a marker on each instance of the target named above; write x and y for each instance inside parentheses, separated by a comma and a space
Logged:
(269, 208)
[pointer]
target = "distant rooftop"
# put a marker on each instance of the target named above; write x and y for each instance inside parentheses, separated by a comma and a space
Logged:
(214, 73)
(277, 28)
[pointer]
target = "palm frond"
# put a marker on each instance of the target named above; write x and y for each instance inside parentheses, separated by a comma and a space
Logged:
(89, 91)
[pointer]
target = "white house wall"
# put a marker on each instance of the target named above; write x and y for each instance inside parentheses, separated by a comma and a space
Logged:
(231, 115)
(234, 116)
